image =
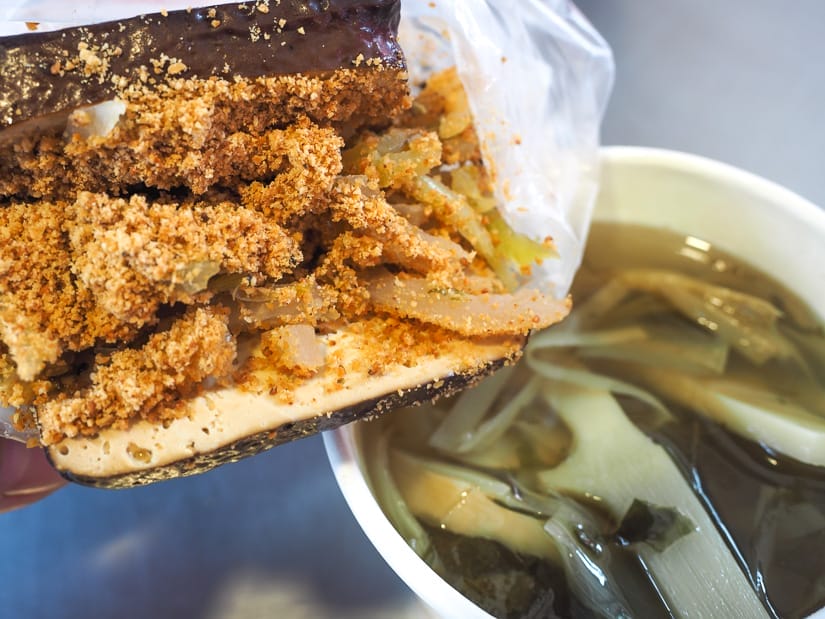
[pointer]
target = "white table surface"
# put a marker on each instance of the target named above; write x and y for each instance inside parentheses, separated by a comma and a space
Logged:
(738, 80)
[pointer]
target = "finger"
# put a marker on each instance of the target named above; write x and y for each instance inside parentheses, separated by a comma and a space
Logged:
(25, 475)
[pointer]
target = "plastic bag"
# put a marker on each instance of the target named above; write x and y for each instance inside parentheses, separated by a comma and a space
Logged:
(537, 76)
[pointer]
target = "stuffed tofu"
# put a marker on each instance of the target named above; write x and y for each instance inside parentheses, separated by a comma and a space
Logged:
(226, 228)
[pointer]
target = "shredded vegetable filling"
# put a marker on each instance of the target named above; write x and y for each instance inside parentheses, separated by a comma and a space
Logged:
(661, 453)
(104, 298)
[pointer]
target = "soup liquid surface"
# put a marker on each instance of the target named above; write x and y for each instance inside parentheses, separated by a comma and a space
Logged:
(769, 508)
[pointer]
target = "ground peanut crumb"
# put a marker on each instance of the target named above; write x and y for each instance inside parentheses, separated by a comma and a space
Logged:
(149, 381)
(217, 211)
(175, 68)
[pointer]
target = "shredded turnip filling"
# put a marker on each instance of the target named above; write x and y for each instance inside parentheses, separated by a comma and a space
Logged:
(466, 313)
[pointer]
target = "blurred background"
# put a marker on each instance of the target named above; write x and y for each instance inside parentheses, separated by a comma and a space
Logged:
(740, 80)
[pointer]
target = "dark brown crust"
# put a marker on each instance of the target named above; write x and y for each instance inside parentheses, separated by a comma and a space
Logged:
(263, 441)
(248, 39)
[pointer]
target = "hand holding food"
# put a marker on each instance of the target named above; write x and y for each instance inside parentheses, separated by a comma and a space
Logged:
(25, 475)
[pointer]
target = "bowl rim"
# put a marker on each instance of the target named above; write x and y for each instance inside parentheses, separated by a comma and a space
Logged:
(430, 588)
(340, 444)
(802, 208)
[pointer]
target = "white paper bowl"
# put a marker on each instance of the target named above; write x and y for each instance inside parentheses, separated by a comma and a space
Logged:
(748, 216)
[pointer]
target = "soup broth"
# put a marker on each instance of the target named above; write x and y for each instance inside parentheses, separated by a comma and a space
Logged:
(718, 364)
(769, 506)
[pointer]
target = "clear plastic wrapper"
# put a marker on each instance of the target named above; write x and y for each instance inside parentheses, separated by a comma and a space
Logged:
(537, 76)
